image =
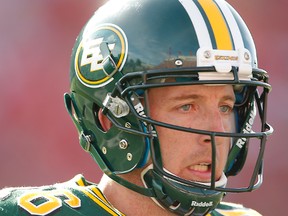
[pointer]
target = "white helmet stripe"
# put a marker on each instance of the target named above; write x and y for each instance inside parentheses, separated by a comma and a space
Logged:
(233, 26)
(198, 23)
(201, 29)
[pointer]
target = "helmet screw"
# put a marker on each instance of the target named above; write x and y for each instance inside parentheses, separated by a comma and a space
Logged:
(128, 125)
(129, 156)
(123, 144)
(104, 150)
(207, 54)
(178, 62)
(246, 56)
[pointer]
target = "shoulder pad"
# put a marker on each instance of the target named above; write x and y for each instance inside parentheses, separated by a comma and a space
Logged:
(225, 208)
(76, 197)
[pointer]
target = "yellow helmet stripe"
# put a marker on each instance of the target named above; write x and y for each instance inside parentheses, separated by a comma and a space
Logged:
(218, 24)
(198, 23)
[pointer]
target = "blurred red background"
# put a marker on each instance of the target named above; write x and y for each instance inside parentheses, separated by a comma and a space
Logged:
(38, 142)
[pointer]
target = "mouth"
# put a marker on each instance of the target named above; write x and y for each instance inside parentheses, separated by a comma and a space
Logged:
(201, 167)
(200, 172)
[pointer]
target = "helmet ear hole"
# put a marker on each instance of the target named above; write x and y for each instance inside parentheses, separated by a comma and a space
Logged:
(104, 122)
(98, 117)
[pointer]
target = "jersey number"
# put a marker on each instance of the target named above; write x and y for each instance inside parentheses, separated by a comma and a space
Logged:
(47, 201)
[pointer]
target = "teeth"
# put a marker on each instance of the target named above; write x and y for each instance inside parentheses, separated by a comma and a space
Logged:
(200, 167)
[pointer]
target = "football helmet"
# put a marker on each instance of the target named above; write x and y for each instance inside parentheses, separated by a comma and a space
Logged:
(130, 46)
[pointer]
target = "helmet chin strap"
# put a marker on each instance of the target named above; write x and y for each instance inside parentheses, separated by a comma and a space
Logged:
(181, 198)
(220, 183)
(150, 167)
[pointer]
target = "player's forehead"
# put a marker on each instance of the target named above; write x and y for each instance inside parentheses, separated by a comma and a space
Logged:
(195, 92)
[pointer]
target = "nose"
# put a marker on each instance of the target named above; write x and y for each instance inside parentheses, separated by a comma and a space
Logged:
(212, 121)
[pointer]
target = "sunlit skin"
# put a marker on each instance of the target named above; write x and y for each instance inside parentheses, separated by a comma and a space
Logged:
(188, 155)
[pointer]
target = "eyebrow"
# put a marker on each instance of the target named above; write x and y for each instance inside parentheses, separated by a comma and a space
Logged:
(196, 96)
(185, 96)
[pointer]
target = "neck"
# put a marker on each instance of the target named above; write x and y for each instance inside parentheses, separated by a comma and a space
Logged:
(128, 201)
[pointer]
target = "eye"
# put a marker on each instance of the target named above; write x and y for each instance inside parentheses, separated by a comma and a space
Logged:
(186, 107)
(226, 109)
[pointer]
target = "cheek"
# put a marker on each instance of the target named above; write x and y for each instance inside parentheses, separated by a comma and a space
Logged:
(223, 151)
(166, 141)
(230, 123)
(173, 145)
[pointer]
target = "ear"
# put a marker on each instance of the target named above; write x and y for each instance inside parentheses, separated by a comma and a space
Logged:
(104, 121)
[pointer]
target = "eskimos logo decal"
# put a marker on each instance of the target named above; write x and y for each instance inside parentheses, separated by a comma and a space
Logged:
(100, 55)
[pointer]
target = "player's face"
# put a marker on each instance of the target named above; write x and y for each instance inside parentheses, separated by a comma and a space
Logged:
(188, 155)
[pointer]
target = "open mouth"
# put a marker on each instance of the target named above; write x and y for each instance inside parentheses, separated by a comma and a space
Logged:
(202, 167)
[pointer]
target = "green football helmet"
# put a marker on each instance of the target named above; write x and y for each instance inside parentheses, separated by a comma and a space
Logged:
(130, 46)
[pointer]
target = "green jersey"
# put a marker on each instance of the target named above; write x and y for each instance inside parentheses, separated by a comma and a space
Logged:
(76, 197)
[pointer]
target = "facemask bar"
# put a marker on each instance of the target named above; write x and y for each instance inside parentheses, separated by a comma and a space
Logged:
(257, 173)
(186, 76)
(134, 82)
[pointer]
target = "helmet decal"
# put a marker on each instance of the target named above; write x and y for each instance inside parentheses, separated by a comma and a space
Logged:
(101, 53)
(175, 44)
(215, 26)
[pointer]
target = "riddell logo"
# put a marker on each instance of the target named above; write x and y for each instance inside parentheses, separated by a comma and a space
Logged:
(202, 204)
(140, 110)
(248, 128)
